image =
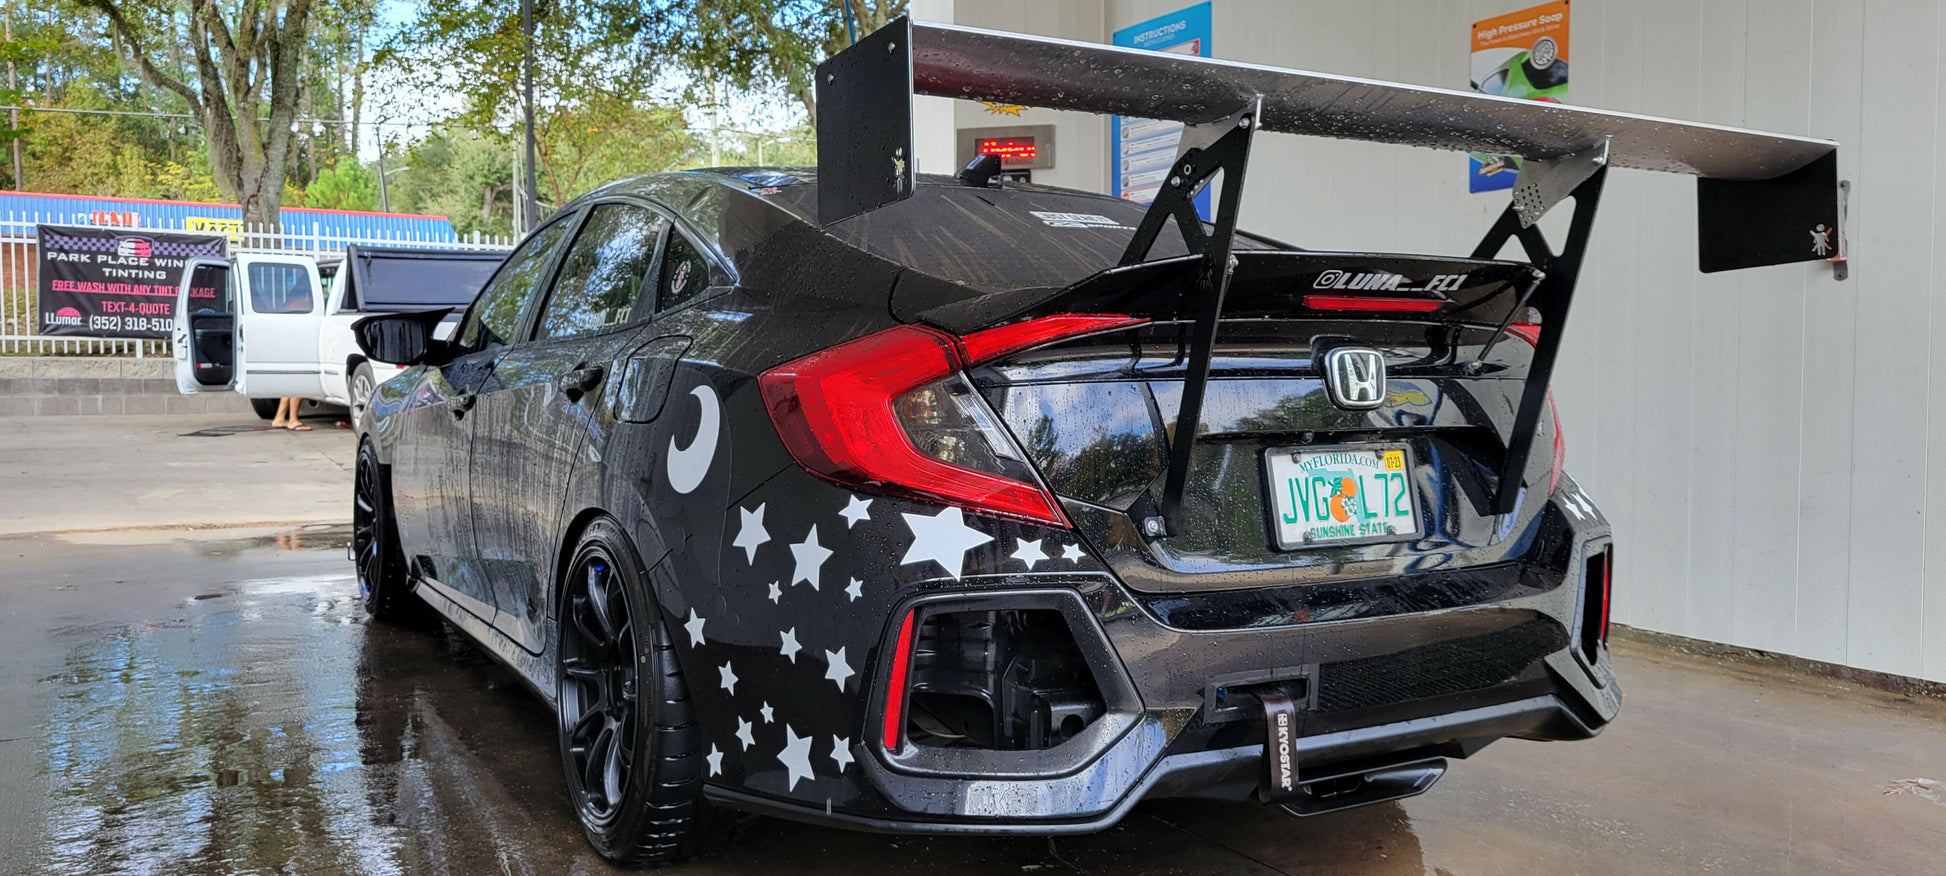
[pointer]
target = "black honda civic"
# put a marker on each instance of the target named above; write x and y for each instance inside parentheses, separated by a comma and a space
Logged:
(849, 525)
(953, 505)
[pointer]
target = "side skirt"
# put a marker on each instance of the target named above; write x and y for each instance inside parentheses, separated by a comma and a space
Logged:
(535, 671)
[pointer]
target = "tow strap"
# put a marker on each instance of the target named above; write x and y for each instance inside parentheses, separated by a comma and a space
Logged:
(1280, 747)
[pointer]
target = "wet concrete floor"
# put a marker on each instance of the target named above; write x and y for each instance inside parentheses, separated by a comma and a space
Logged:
(214, 702)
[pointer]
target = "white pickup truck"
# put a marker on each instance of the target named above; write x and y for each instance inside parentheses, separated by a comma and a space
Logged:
(274, 326)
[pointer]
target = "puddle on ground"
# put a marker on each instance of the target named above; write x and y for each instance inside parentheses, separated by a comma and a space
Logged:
(228, 540)
(222, 431)
(275, 730)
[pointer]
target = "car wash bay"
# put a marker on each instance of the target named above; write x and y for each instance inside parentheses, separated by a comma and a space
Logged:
(1761, 440)
(215, 701)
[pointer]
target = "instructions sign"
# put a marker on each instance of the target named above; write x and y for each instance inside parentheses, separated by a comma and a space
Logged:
(1521, 55)
(114, 282)
(1140, 151)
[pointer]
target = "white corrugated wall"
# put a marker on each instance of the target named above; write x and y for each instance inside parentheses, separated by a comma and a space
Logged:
(1762, 440)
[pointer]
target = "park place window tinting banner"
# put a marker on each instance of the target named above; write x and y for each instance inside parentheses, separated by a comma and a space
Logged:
(1140, 151)
(115, 283)
(1521, 55)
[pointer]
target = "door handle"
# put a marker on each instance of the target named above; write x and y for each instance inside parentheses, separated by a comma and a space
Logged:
(578, 382)
(463, 404)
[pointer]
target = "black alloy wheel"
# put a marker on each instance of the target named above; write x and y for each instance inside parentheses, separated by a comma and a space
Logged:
(630, 744)
(265, 407)
(382, 581)
(599, 689)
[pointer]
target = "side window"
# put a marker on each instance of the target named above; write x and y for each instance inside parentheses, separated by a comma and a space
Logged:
(212, 290)
(685, 274)
(281, 287)
(603, 272)
(494, 317)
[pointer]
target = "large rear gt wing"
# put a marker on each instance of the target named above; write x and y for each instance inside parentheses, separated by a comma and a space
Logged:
(1762, 199)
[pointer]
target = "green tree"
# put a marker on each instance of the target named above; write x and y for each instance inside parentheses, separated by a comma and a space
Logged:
(457, 173)
(347, 185)
(243, 84)
(583, 49)
(760, 44)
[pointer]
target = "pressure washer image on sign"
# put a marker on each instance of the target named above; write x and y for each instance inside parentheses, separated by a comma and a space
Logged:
(1407, 330)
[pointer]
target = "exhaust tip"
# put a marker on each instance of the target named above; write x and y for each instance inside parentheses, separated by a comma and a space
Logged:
(1352, 790)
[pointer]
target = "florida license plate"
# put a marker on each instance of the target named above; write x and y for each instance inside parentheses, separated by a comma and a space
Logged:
(1340, 495)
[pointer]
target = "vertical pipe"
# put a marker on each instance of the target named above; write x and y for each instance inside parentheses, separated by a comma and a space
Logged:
(529, 209)
(15, 111)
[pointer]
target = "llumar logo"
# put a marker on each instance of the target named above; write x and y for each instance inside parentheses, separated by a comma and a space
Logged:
(64, 316)
(1285, 779)
(1386, 281)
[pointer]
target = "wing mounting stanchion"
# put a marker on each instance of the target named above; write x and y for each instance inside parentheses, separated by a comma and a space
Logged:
(1176, 200)
(1544, 183)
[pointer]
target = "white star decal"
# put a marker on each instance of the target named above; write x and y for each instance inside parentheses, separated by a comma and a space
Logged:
(841, 752)
(695, 628)
(776, 592)
(1071, 553)
(1029, 552)
(767, 710)
(855, 589)
(715, 759)
(840, 670)
(789, 648)
(796, 757)
(744, 734)
(729, 680)
(810, 558)
(855, 510)
(943, 538)
(752, 533)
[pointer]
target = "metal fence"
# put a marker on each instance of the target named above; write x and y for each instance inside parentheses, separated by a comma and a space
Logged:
(20, 275)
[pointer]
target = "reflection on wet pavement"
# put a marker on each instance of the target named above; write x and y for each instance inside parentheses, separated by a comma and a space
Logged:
(219, 704)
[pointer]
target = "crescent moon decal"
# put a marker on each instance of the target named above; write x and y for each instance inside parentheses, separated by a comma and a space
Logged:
(687, 465)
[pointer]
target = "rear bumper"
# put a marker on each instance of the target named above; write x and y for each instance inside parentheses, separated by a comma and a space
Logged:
(983, 807)
(1380, 689)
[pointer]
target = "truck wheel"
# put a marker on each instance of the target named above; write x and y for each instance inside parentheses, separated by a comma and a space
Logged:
(359, 391)
(265, 407)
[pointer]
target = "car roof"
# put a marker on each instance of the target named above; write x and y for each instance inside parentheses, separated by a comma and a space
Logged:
(992, 239)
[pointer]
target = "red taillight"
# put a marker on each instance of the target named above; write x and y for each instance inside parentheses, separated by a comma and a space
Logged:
(1531, 333)
(895, 686)
(855, 412)
(1379, 305)
(985, 346)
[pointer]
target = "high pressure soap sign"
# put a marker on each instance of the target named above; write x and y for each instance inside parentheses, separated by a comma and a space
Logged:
(1521, 55)
(114, 282)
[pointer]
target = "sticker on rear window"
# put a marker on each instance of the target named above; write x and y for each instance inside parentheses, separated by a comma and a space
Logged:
(1075, 220)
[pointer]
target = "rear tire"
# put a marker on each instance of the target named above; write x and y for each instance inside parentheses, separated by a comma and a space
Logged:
(630, 742)
(265, 407)
(383, 583)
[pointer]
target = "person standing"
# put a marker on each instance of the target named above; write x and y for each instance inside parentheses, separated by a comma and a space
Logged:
(288, 421)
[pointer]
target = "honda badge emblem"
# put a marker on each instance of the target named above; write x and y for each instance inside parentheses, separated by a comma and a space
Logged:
(1355, 378)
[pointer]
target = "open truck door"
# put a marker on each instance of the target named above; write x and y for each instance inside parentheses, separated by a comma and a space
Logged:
(281, 312)
(205, 330)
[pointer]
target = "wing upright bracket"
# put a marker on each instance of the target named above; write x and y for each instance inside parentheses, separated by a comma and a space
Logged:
(1578, 177)
(1195, 168)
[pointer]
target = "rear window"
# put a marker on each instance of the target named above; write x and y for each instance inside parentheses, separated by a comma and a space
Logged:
(390, 283)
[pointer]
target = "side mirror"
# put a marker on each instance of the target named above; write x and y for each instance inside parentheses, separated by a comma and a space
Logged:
(403, 339)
